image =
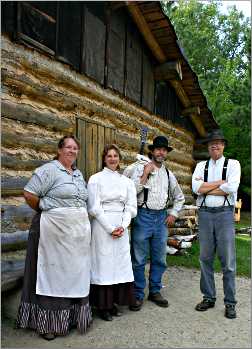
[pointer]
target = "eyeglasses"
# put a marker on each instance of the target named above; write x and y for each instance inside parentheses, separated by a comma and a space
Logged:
(69, 147)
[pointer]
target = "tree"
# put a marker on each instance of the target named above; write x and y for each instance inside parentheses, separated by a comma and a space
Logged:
(217, 46)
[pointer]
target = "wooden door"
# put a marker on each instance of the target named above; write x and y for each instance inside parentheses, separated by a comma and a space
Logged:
(93, 137)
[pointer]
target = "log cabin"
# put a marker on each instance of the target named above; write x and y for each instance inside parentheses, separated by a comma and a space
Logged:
(99, 70)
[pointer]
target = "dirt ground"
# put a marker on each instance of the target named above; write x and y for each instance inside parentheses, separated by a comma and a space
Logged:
(178, 326)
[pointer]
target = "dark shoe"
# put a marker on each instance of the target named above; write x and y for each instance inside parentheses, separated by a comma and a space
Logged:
(158, 300)
(115, 311)
(230, 311)
(137, 306)
(204, 305)
(105, 315)
(48, 336)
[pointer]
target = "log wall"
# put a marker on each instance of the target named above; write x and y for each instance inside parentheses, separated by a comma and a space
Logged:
(41, 100)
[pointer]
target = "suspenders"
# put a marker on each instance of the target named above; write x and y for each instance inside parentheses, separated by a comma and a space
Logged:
(224, 176)
(146, 192)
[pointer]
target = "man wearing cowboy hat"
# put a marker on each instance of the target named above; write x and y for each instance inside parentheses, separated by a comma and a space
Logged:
(216, 182)
(155, 187)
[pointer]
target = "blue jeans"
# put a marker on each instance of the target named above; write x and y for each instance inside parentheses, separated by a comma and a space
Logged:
(149, 236)
(217, 234)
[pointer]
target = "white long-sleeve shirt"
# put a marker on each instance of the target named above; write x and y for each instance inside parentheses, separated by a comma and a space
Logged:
(215, 169)
(158, 188)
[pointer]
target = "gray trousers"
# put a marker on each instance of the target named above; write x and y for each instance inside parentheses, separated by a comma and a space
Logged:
(217, 235)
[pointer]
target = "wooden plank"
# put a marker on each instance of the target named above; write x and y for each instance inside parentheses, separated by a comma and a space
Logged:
(133, 65)
(91, 149)
(94, 50)
(100, 146)
(27, 113)
(116, 52)
(190, 110)
(148, 85)
(81, 135)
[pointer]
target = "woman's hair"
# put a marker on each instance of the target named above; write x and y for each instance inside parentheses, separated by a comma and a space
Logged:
(106, 149)
(62, 143)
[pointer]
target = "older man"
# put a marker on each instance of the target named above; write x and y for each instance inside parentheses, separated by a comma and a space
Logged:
(156, 187)
(216, 182)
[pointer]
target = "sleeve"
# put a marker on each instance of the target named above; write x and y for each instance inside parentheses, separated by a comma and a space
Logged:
(41, 181)
(198, 177)
(130, 210)
(135, 173)
(177, 196)
(233, 178)
(94, 205)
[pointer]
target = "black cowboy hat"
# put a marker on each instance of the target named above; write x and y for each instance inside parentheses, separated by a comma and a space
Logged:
(214, 135)
(160, 142)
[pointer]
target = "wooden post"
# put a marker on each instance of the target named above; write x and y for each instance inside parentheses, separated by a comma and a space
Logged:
(237, 215)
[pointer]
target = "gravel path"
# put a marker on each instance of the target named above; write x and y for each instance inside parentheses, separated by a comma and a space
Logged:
(178, 326)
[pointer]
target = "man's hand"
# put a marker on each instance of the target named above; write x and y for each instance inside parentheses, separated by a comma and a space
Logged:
(148, 168)
(170, 220)
(117, 233)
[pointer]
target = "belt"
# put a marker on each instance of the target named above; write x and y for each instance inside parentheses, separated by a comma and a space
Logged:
(216, 209)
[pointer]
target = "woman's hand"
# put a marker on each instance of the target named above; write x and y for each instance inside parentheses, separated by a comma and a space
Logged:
(117, 233)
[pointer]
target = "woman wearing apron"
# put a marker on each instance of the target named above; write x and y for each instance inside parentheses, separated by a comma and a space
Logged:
(112, 203)
(55, 294)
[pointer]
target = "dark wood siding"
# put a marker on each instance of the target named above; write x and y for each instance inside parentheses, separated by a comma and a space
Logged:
(94, 46)
(133, 64)
(116, 51)
(69, 33)
(148, 84)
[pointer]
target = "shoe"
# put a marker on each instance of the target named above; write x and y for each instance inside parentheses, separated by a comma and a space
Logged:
(137, 306)
(230, 311)
(115, 311)
(158, 299)
(205, 304)
(105, 315)
(48, 336)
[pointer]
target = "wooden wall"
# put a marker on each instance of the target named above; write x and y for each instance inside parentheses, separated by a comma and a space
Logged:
(41, 100)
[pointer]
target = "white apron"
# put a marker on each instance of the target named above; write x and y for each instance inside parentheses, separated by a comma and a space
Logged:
(63, 267)
(111, 260)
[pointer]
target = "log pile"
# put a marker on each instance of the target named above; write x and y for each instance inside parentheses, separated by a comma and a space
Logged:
(184, 231)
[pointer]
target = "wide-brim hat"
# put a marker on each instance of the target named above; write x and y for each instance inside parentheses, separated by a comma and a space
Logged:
(213, 136)
(160, 142)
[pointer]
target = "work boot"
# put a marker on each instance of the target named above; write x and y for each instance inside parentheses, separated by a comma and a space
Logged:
(158, 299)
(205, 304)
(230, 311)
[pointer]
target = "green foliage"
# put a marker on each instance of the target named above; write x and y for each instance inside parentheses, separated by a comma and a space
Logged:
(218, 46)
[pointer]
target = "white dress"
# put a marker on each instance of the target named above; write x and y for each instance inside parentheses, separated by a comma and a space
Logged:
(112, 203)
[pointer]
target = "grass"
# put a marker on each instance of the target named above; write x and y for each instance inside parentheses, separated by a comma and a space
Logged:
(245, 220)
(191, 257)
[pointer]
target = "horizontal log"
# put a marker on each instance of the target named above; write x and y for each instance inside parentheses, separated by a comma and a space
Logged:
(12, 139)
(190, 110)
(18, 164)
(184, 223)
(180, 231)
(12, 274)
(14, 241)
(27, 113)
(13, 186)
(168, 71)
(200, 155)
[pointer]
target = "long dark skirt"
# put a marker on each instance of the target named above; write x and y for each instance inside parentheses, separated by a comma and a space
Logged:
(43, 313)
(103, 297)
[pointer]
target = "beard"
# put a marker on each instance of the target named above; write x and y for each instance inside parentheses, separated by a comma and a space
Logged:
(158, 159)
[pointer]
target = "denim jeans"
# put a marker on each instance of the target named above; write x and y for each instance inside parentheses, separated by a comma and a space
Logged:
(217, 234)
(149, 236)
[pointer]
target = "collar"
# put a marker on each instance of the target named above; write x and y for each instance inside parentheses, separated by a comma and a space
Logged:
(219, 161)
(108, 170)
(62, 168)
